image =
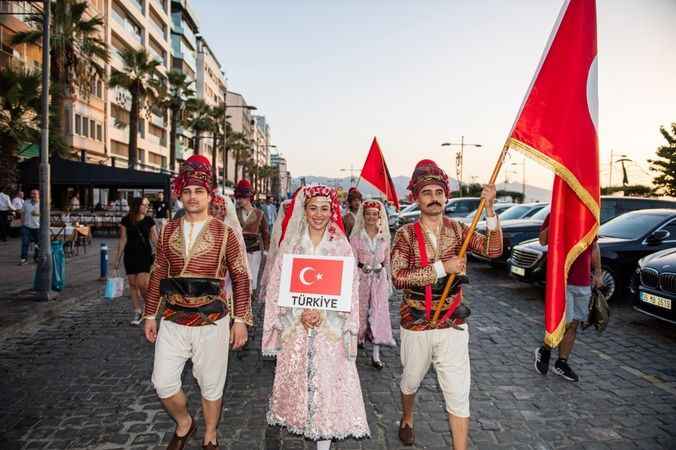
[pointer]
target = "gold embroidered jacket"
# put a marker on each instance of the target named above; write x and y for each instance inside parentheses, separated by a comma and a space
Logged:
(407, 269)
(215, 252)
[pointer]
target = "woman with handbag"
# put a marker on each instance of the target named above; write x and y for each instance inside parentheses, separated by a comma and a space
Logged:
(138, 235)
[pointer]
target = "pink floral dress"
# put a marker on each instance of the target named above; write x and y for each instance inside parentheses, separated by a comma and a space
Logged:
(316, 391)
(375, 287)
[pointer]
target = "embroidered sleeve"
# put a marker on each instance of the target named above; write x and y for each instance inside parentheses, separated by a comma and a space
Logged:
(235, 262)
(407, 270)
(489, 245)
(158, 272)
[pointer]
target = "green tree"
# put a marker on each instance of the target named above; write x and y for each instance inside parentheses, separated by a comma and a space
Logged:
(77, 52)
(199, 120)
(173, 96)
(217, 119)
(635, 190)
(20, 93)
(140, 78)
(665, 166)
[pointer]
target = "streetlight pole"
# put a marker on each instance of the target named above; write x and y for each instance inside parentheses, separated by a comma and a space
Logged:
(523, 178)
(459, 158)
(44, 268)
(352, 170)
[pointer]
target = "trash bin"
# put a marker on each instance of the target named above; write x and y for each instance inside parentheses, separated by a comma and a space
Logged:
(58, 266)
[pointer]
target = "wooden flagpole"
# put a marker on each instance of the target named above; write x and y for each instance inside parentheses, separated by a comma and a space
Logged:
(465, 244)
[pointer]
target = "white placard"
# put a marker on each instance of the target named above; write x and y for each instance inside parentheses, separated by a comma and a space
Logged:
(317, 282)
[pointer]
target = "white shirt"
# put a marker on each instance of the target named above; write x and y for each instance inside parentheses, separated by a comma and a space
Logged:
(17, 203)
(30, 216)
(190, 232)
(5, 202)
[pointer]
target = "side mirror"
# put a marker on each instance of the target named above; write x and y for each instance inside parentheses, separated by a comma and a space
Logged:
(658, 236)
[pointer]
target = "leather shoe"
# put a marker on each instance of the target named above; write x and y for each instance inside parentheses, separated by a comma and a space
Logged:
(210, 446)
(406, 434)
(178, 442)
(377, 364)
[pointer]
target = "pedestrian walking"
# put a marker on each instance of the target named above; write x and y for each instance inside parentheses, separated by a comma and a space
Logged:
(424, 253)
(578, 296)
(160, 210)
(138, 235)
(370, 242)
(316, 391)
(270, 210)
(194, 254)
(254, 227)
(354, 199)
(6, 212)
(30, 226)
(17, 201)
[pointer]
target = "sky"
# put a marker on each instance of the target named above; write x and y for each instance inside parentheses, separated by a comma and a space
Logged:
(329, 76)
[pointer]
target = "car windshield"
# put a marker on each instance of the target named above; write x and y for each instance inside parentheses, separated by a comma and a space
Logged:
(633, 225)
(410, 208)
(542, 214)
(515, 212)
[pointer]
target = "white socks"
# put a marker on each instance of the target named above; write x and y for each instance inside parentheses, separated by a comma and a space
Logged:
(376, 353)
(323, 445)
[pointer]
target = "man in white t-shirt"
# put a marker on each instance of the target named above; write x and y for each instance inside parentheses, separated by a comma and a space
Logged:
(30, 224)
(5, 212)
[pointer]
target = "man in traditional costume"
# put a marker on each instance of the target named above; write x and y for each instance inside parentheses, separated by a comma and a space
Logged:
(424, 253)
(254, 227)
(354, 199)
(316, 391)
(194, 253)
(370, 241)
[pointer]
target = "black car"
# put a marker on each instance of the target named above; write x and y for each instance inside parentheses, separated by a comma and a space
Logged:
(623, 241)
(657, 284)
(515, 232)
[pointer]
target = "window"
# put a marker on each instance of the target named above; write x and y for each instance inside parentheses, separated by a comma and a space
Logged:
(92, 127)
(99, 88)
(99, 133)
(85, 127)
(78, 124)
(671, 228)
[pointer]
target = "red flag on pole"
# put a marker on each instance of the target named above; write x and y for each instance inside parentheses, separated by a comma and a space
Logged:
(376, 173)
(557, 126)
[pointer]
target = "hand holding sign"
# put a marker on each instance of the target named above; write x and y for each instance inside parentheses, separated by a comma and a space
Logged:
(311, 319)
(316, 282)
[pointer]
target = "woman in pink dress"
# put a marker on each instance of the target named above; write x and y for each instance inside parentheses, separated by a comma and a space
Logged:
(370, 241)
(316, 392)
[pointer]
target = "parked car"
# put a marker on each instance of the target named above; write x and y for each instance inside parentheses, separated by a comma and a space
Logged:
(455, 207)
(622, 241)
(515, 232)
(522, 211)
(499, 209)
(657, 284)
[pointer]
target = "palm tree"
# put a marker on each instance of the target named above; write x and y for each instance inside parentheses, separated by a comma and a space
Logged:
(20, 94)
(77, 53)
(265, 172)
(217, 118)
(173, 97)
(139, 77)
(200, 120)
(242, 151)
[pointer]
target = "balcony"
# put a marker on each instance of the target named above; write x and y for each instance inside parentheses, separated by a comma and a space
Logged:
(159, 31)
(138, 4)
(160, 4)
(130, 28)
(159, 58)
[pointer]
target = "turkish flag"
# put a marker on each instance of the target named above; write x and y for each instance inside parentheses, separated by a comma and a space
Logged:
(316, 276)
(376, 173)
(557, 126)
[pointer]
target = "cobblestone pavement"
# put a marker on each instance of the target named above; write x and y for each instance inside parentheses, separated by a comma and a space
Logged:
(82, 381)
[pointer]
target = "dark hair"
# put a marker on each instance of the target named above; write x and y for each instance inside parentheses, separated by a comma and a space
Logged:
(134, 209)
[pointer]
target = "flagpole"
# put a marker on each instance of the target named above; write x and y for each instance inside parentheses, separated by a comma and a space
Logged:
(472, 227)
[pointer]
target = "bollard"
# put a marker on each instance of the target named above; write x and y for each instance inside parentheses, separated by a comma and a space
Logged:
(104, 261)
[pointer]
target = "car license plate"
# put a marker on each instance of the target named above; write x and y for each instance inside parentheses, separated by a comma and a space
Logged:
(656, 300)
(519, 271)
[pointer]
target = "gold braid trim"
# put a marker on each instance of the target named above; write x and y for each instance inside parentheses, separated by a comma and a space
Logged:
(554, 338)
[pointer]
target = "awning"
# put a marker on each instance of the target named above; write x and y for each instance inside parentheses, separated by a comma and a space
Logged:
(65, 172)
(29, 151)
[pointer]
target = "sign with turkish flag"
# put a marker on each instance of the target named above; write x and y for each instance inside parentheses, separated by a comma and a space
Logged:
(317, 282)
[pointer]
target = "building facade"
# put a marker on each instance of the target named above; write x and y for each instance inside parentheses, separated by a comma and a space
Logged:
(281, 177)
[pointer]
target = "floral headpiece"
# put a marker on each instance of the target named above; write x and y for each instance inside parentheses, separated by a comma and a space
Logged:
(371, 204)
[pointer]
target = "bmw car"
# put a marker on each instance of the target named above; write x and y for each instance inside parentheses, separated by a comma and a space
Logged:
(656, 295)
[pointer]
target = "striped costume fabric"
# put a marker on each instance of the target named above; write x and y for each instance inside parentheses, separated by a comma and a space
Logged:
(408, 272)
(215, 252)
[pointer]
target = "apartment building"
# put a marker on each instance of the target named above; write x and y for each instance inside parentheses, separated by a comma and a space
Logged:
(241, 121)
(281, 178)
(261, 145)
(210, 87)
(12, 15)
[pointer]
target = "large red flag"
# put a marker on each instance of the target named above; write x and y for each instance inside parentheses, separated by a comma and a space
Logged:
(557, 126)
(376, 173)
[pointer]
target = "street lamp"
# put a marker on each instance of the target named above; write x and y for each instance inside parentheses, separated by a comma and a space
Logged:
(459, 158)
(352, 170)
(523, 178)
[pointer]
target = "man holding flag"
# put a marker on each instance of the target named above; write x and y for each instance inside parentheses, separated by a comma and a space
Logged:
(557, 126)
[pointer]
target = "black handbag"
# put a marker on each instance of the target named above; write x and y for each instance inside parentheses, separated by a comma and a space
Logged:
(599, 312)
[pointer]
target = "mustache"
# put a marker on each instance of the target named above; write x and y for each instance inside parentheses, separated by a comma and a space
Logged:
(435, 203)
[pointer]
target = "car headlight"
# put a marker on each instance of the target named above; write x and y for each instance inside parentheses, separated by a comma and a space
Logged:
(641, 262)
